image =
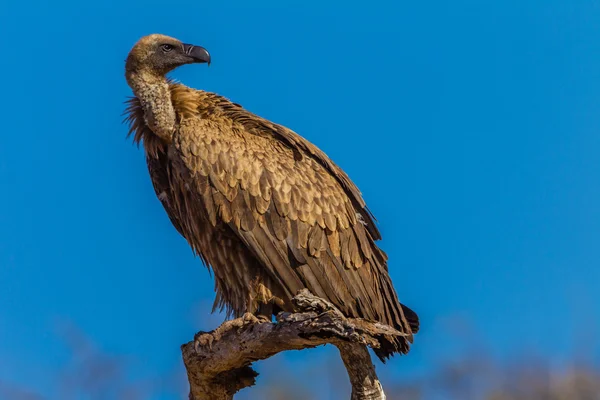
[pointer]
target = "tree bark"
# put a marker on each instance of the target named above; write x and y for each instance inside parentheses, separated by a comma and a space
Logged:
(218, 362)
(361, 371)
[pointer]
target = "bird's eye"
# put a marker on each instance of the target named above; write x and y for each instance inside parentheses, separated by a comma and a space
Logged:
(167, 47)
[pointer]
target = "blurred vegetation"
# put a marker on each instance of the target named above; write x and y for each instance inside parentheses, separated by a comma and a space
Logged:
(94, 375)
(470, 379)
(464, 378)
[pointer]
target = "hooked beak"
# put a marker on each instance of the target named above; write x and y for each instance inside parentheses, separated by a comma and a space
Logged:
(197, 53)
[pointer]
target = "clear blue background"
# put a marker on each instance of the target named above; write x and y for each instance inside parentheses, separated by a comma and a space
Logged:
(470, 126)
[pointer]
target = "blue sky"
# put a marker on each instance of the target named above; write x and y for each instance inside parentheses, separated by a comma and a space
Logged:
(470, 126)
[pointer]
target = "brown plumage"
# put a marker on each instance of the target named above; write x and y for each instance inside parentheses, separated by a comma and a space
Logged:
(268, 211)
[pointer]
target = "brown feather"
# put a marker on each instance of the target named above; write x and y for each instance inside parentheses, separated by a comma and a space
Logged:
(333, 237)
(365, 246)
(278, 225)
(303, 229)
(314, 242)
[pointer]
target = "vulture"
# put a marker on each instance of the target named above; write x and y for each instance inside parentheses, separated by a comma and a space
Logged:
(263, 208)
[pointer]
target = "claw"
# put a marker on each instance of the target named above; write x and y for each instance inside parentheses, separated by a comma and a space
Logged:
(203, 340)
(249, 318)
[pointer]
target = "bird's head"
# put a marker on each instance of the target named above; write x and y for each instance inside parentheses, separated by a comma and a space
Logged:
(159, 54)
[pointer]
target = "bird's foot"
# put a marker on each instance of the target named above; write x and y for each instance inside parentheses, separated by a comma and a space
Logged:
(203, 339)
(306, 301)
(207, 339)
(263, 318)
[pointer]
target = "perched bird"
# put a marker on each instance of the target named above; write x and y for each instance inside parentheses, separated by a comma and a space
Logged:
(267, 210)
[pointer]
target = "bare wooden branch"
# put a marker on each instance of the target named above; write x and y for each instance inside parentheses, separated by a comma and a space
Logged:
(218, 362)
(361, 371)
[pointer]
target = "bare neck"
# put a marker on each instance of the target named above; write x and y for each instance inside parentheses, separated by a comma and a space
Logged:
(153, 92)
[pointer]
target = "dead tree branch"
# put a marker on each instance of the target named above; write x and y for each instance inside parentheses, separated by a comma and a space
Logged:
(218, 362)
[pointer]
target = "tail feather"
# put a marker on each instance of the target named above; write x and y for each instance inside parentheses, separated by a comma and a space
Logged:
(412, 318)
(397, 315)
(389, 345)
